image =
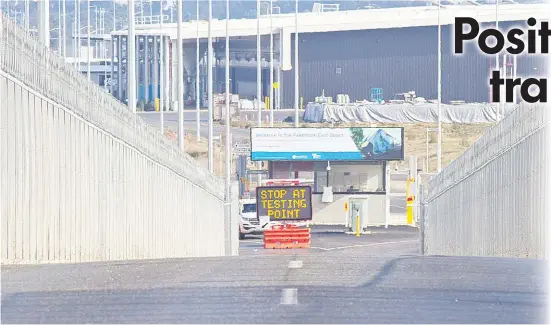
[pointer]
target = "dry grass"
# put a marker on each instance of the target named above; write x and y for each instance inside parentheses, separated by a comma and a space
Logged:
(456, 138)
(199, 150)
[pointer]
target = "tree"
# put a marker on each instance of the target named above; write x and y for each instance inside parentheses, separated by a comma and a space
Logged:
(357, 137)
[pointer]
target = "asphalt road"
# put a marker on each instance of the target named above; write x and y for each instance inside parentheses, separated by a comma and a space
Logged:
(190, 124)
(189, 114)
(377, 278)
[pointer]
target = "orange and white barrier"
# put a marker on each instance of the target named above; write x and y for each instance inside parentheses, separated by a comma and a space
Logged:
(287, 236)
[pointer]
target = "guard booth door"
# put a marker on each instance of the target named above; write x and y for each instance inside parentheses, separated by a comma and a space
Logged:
(356, 210)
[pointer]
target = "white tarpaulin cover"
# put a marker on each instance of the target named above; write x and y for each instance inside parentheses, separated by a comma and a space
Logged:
(402, 113)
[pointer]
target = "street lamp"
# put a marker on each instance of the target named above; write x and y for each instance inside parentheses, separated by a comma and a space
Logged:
(228, 119)
(131, 58)
(271, 65)
(44, 22)
(64, 13)
(89, 31)
(78, 28)
(162, 62)
(197, 84)
(439, 107)
(210, 94)
(258, 78)
(59, 30)
(180, 76)
(258, 63)
(498, 68)
(296, 65)
(28, 14)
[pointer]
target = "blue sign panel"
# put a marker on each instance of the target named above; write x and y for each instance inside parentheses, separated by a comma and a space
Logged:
(311, 144)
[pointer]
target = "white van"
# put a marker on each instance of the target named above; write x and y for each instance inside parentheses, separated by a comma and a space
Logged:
(249, 224)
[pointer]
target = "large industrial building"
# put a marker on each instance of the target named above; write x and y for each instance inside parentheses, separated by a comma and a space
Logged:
(340, 52)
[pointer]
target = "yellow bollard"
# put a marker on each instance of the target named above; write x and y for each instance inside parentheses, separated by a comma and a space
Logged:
(409, 201)
(357, 226)
(409, 211)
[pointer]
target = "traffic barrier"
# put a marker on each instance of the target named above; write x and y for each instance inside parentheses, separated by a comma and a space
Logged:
(287, 236)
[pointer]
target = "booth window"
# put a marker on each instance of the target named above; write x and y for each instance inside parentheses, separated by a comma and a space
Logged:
(346, 178)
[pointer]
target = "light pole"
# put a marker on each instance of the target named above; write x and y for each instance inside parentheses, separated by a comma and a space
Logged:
(64, 10)
(498, 68)
(209, 95)
(228, 119)
(44, 22)
(131, 59)
(162, 62)
(88, 40)
(114, 16)
(296, 65)
(278, 89)
(117, 51)
(166, 73)
(74, 39)
(258, 67)
(197, 84)
(59, 30)
(515, 77)
(180, 77)
(27, 15)
(79, 43)
(271, 65)
(258, 78)
(439, 108)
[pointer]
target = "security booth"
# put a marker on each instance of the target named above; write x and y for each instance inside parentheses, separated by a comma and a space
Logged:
(348, 167)
(361, 185)
(345, 190)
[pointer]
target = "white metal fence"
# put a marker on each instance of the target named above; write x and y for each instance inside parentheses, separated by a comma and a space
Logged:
(84, 179)
(492, 201)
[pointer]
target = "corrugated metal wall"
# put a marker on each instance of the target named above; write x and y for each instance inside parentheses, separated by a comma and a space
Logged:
(396, 60)
(84, 179)
(492, 200)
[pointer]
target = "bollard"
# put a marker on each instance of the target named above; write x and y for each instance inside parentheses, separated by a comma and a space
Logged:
(357, 226)
(409, 210)
(409, 201)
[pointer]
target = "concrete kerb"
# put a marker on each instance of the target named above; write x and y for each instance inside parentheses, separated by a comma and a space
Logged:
(362, 233)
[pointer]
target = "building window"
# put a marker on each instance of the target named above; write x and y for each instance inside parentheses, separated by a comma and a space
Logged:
(320, 181)
(354, 182)
(351, 178)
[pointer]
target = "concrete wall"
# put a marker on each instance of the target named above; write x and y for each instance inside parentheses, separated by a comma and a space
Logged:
(492, 200)
(83, 179)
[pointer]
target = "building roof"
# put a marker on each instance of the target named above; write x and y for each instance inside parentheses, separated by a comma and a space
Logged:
(318, 22)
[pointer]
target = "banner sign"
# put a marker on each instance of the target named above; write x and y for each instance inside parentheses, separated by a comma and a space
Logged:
(284, 203)
(327, 144)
